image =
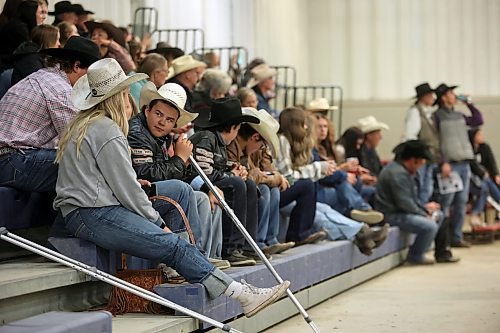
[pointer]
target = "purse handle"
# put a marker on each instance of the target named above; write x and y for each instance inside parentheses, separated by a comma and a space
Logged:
(181, 211)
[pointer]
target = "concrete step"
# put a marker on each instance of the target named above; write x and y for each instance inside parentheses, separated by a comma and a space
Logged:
(144, 323)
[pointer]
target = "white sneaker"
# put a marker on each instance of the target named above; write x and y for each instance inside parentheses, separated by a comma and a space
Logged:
(254, 299)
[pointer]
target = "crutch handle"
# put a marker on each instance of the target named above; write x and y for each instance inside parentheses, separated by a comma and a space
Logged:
(3, 230)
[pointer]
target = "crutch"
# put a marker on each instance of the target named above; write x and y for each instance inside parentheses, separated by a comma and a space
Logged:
(254, 245)
(108, 278)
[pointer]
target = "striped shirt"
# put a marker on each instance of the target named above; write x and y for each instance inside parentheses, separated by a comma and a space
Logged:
(35, 111)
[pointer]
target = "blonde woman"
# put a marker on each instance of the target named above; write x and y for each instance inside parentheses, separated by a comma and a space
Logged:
(102, 202)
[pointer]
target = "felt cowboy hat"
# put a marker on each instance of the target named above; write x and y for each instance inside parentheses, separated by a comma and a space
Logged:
(320, 105)
(226, 111)
(412, 148)
(441, 90)
(267, 127)
(165, 48)
(370, 124)
(76, 48)
(173, 94)
(113, 32)
(184, 64)
(62, 7)
(260, 73)
(104, 79)
(80, 10)
(423, 89)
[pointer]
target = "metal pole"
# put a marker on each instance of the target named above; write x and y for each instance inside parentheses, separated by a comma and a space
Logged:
(251, 241)
(108, 278)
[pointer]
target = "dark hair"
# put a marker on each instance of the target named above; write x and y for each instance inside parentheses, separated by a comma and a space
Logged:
(65, 64)
(156, 101)
(26, 12)
(9, 11)
(246, 131)
(226, 128)
(349, 141)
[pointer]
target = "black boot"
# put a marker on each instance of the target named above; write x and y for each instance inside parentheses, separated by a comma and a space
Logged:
(364, 240)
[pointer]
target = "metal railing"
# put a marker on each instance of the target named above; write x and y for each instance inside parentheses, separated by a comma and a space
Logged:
(233, 59)
(286, 77)
(186, 39)
(145, 21)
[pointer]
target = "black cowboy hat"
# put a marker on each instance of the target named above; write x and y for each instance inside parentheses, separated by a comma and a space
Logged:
(225, 111)
(113, 32)
(62, 7)
(164, 48)
(412, 148)
(77, 48)
(441, 90)
(423, 89)
(80, 10)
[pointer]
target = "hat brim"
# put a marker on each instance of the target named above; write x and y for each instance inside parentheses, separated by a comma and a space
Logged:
(438, 97)
(174, 50)
(195, 64)
(376, 127)
(423, 94)
(82, 97)
(237, 120)
(69, 53)
(270, 138)
(150, 93)
(112, 31)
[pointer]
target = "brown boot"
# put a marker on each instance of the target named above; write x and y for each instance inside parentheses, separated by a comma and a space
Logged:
(364, 240)
(380, 235)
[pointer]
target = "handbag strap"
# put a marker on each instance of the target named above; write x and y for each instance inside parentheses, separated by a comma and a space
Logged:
(181, 211)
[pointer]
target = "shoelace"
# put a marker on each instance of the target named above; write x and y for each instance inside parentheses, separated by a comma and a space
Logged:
(253, 289)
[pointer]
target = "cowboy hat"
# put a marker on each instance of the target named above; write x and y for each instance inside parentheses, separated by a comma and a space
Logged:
(77, 48)
(173, 94)
(104, 79)
(225, 111)
(441, 90)
(319, 105)
(62, 7)
(113, 32)
(412, 148)
(260, 73)
(183, 64)
(370, 124)
(267, 128)
(164, 48)
(80, 10)
(423, 89)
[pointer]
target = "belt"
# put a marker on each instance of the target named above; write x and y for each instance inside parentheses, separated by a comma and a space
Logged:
(7, 150)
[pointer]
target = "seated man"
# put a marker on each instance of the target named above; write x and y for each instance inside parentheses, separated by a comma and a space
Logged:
(210, 152)
(397, 198)
(372, 130)
(34, 114)
(149, 140)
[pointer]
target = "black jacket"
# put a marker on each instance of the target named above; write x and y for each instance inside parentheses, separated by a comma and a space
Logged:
(209, 150)
(485, 156)
(149, 157)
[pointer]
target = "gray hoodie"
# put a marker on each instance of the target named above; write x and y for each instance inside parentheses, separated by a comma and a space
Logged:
(102, 175)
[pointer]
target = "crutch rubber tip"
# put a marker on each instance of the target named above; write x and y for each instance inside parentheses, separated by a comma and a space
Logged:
(226, 328)
(3, 230)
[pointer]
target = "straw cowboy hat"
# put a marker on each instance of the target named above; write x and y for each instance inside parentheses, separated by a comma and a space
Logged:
(173, 94)
(226, 111)
(104, 79)
(76, 48)
(267, 128)
(370, 124)
(320, 105)
(260, 73)
(183, 64)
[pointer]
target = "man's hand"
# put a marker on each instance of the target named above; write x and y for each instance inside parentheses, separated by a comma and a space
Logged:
(144, 182)
(432, 206)
(351, 178)
(284, 184)
(213, 199)
(331, 167)
(183, 148)
(183, 129)
(240, 171)
(445, 170)
(167, 230)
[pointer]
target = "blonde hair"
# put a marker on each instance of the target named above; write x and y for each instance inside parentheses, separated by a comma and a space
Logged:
(292, 121)
(112, 107)
(244, 93)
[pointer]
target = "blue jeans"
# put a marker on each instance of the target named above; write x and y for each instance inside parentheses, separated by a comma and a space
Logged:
(336, 225)
(211, 226)
(457, 201)
(481, 194)
(493, 188)
(32, 170)
(269, 216)
(425, 177)
(119, 229)
(343, 198)
(424, 228)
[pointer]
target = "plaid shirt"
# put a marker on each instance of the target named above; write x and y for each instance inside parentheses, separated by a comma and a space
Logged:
(314, 171)
(35, 111)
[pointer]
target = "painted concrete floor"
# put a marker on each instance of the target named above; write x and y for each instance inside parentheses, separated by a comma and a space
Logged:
(461, 297)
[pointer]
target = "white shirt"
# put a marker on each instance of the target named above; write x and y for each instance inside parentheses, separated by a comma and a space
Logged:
(413, 122)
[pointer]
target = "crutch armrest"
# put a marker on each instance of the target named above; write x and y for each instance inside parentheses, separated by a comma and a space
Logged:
(3, 230)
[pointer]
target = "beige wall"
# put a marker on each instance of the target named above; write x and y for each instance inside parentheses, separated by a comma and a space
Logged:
(393, 113)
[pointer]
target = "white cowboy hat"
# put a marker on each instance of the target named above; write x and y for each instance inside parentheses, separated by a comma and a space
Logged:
(370, 124)
(320, 104)
(172, 93)
(259, 74)
(267, 128)
(183, 64)
(104, 79)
